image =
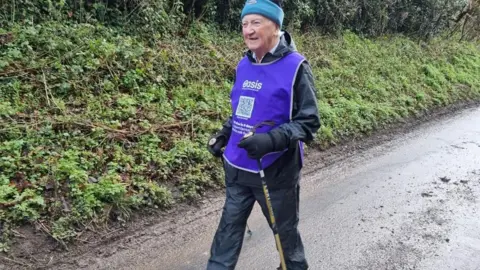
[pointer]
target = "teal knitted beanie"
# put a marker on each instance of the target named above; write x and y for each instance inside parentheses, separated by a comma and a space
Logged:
(265, 8)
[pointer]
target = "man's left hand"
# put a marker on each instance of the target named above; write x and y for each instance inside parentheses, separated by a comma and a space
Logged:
(257, 145)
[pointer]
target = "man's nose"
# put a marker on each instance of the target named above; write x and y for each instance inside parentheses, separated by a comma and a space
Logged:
(249, 30)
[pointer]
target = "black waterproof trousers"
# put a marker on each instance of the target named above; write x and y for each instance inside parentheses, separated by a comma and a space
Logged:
(239, 203)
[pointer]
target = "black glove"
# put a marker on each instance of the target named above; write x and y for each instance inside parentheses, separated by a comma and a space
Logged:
(216, 143)
(258, 145)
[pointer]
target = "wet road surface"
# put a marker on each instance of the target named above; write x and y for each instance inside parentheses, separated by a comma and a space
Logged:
(411, 203)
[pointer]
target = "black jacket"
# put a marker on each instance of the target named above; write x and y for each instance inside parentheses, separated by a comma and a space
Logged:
(305, 122)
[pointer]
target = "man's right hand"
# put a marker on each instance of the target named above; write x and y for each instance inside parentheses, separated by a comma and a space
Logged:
(215, 145)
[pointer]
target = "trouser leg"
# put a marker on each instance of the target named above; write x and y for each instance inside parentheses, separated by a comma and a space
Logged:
(228, 240)
(285, 204)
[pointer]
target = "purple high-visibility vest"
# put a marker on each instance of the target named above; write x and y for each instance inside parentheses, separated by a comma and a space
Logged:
(262, 92)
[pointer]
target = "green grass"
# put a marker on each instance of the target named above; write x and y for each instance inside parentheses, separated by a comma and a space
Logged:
(367, 84)
(95, 124)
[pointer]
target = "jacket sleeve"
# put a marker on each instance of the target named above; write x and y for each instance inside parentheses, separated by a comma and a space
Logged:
(305, 117)
(226, 128)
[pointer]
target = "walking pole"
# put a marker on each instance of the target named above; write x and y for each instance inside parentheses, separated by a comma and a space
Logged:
(249, 231)
(272, 216)
(269, 205)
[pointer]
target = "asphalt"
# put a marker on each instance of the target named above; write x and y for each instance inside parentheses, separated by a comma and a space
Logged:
(410, 203)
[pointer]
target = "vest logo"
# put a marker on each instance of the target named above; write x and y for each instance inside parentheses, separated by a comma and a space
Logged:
(251, 85)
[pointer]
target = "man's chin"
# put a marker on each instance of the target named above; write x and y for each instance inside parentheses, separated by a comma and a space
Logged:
(252, 47)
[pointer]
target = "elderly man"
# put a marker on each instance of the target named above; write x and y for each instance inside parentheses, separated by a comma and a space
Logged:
(273, 83)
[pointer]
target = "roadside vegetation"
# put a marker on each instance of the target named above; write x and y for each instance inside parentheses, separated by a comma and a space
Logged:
(107, 110)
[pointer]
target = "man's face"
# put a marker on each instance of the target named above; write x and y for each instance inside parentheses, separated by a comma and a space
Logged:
(258, 33)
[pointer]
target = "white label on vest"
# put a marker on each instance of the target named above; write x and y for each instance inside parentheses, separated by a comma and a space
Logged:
(245, 107)
(252, 85)
(241, 128)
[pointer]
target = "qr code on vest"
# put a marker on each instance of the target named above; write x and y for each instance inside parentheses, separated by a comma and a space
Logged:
(245, 107)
